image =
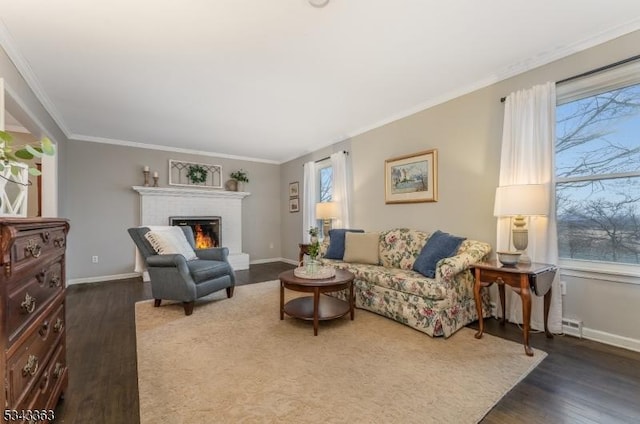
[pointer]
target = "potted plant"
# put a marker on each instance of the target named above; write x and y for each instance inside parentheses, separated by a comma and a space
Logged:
(313, 233)
(13, 157)
(240, 177)
(14, 169)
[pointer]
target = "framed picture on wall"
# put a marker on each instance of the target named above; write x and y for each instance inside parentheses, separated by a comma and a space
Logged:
(411, 178)
(294, 205)
(294, 189)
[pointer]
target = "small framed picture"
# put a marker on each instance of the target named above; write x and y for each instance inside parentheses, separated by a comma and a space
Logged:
(294, 204)
(294, 189)
(411, 178)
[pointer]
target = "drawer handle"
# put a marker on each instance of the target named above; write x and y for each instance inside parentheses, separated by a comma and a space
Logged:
(58, 370)
(44, 329)
(33, 248)
(32, 366)
(45, 236)
(58, 326)
(55, 281)
(58, 242)
(28, 305)
(45, 381)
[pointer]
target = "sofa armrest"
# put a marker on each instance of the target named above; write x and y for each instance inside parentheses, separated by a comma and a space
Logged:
(213, 254)
(469, 253)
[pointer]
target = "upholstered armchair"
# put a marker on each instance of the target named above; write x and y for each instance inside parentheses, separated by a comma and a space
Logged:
(185, 276)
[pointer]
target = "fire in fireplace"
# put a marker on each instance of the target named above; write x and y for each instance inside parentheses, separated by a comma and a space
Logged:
(206, 229)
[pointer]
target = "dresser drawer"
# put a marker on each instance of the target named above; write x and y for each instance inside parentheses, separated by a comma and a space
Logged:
(28, 360)
(28, 298)
(29, 245)
(45, 393)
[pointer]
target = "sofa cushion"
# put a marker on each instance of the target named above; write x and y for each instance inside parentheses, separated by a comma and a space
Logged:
(400, 247)
(361, 248)
(439, 246)
(403, 281)
(336, 242)
(170, 240)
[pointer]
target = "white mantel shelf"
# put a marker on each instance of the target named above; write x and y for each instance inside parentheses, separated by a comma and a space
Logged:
(157, 204)
(189, 192)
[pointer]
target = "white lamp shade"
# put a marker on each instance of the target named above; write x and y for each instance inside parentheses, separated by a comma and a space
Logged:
(522, 199)
(326, 210)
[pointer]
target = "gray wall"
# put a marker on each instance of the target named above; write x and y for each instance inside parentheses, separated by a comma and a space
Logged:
(102, 204)
(467, 132)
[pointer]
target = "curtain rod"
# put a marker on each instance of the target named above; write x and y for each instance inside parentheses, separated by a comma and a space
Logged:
(591, 72)
(329, 157)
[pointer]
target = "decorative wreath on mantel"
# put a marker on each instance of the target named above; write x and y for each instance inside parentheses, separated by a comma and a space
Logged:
(197, 174)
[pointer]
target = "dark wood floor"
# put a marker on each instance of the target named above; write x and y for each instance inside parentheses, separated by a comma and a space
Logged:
(579, 382)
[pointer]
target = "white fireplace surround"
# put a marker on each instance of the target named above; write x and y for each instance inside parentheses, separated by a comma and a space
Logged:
(157, 204)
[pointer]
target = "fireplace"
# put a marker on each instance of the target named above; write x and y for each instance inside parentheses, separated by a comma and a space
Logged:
(206, 229)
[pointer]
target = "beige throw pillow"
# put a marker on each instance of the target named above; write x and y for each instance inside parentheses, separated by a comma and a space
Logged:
(170, 240)
(361, 248)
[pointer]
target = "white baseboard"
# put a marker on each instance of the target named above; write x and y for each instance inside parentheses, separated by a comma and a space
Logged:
(102, 278)
(265, 261)
(610, 339)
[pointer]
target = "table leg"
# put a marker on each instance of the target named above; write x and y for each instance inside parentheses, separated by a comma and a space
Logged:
(352, 301)
(525, 294)
(478, 299)
(503, 303)
(316, 307)
(547, 306)
(281, 300)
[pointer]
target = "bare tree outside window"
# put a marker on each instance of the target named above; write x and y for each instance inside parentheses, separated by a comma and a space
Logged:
(326, 183)
(598, 177)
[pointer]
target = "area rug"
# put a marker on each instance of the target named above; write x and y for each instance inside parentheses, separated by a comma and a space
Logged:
(235, 361)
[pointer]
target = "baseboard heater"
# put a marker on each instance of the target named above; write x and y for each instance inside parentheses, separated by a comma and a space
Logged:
(572, 327)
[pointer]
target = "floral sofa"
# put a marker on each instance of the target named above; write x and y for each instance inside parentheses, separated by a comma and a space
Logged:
(437, 306)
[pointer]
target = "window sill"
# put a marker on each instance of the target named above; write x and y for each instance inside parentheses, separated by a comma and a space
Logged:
(606, 271)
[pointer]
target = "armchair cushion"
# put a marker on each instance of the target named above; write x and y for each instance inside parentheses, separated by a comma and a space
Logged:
(439, 246)
(170, 240)
(203, 270)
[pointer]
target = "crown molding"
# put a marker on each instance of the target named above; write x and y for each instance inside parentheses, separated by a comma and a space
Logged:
(7, 43)
(79, 137)
(508, 72)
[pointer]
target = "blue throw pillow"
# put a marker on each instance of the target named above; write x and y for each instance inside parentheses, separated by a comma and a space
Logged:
(439, 246)
(336, 243)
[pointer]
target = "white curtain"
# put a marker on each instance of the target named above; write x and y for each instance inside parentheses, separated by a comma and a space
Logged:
(309, 199)
(341, 189)
(528, 158)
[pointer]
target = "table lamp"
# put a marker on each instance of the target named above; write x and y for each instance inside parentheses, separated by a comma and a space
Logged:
(326, 211)
(520, 201)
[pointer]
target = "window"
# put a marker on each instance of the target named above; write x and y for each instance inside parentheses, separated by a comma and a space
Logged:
(598, 168)
(325, 181)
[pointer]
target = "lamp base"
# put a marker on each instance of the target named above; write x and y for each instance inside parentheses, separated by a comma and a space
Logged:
(326, 226)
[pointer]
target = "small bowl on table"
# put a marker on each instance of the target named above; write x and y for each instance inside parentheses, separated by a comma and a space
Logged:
(509, 258)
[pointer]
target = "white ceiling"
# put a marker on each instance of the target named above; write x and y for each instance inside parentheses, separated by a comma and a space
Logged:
(272, 80)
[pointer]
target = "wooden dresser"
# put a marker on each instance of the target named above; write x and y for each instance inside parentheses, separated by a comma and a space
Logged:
(32, 314)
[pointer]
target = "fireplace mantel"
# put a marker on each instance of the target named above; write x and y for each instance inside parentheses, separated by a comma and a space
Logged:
(157, 204)
(189, 192)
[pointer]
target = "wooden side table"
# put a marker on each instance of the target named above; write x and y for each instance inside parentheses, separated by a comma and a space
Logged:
(522, 278)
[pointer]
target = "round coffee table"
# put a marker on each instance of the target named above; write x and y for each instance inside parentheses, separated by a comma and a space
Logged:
(316, 307)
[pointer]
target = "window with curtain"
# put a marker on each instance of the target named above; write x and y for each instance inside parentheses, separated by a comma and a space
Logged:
(597, 167)
(325, 181)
